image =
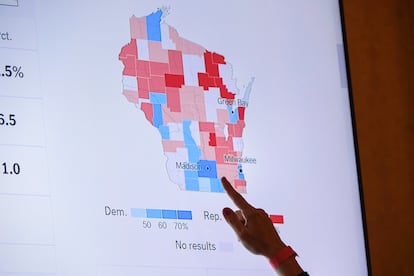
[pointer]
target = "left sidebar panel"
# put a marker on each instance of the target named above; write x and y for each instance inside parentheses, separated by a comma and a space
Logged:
(26, 233)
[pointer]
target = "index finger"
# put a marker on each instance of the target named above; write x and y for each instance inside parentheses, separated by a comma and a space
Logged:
(237, 198)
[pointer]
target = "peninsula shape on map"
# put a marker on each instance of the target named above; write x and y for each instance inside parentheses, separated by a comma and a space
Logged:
(189, 94)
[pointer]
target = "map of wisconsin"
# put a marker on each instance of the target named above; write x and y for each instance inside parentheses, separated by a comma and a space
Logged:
(189, 94)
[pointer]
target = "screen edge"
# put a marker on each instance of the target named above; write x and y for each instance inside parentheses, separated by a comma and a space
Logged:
(355, 136)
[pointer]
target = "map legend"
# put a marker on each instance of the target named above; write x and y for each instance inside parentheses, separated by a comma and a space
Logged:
(161, 214)
(14, 3)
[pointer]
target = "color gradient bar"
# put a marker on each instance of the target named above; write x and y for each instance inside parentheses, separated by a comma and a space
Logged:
(169, 214)
(161, 214)
(154, 213)
(186, 215)
(277, 219)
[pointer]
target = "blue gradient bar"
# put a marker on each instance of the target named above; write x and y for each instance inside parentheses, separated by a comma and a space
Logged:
(138, 213)
(169, 214)
(154, 213)
(185, 215)
(161, 213)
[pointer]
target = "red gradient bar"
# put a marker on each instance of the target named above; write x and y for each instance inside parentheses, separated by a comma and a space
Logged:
(277, 219)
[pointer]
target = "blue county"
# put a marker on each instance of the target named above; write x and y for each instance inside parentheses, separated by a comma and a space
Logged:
(157, 119)
(241, 174)
(191, 180)
(153, 26)
(188, 138)
(158, 98)
(216, 186)
(233, 114)
(190, 174)
(204, 184)
(191, 184)
(165, 132)
(194, 152)
(208, 168)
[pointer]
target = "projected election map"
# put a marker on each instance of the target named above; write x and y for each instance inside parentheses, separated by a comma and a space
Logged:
(189, 94)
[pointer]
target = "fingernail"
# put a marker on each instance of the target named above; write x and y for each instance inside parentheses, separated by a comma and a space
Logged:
(227, 211)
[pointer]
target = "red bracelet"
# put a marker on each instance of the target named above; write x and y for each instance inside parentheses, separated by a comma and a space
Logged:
(282, 256)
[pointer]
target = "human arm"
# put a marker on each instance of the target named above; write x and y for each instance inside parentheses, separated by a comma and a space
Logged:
(256, 231)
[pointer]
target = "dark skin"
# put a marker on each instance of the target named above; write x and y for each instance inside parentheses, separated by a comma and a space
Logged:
(255, 230)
